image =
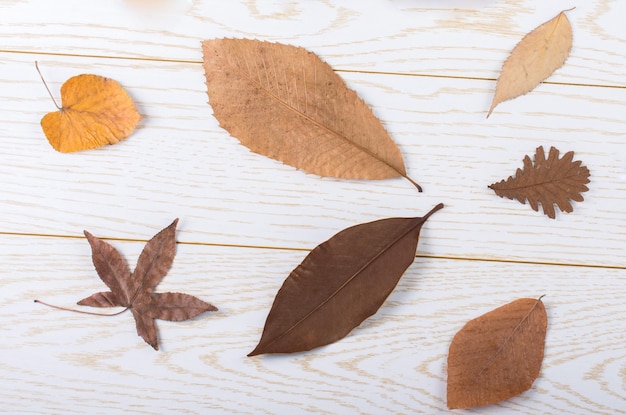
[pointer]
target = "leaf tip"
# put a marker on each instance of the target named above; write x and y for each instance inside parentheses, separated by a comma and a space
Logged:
(495, 101)
(172, 225)
(255, 352)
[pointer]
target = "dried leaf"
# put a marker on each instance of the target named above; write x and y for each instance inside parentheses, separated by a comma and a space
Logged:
(535, 58)
(284, 102)
(551, 181)
(497, 355)
(95, 111)
(135, 291)
(339, 284)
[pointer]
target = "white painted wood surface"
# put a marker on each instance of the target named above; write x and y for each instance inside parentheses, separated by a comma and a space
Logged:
(428, 71)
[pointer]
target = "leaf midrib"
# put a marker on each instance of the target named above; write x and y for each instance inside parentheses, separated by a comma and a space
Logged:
(543, 183)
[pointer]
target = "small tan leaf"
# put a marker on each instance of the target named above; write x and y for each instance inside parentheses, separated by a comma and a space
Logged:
(284, 102)
(550, 181)
(535, 58)
(339, 284)
(497, 355)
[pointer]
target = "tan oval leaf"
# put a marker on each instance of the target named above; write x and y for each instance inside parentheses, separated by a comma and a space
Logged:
(284, 102)
(535, 58)
(95, 111)
(497, 355)
(339, 284)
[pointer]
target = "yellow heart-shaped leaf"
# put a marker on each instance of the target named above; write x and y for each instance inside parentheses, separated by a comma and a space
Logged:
(95, 111)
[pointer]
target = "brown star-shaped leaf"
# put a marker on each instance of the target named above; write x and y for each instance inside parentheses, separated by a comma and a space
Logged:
(550, 181)
(135, 290)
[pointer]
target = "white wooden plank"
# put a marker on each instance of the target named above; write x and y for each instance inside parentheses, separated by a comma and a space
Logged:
(395, 362)
(181, 164)
(456, 38)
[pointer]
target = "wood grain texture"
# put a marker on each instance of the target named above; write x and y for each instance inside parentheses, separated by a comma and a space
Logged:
(393, 363)
(180, 163)
(457, 38)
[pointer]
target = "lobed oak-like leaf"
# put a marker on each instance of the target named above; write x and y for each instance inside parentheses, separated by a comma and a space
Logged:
(339, 284)
(284, 102)
(535, 58)
(549, 181)
(497, 355)
(95, 111)
(135, 291)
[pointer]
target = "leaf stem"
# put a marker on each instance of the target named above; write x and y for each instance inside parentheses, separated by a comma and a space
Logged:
(433, 210)
(414, 183)
(46, 85)
(81, 311)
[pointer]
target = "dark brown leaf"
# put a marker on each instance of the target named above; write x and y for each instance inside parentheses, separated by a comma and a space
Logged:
(550, 181)
(286, 103)
(135, 291)
(339, 284)
(497, 355)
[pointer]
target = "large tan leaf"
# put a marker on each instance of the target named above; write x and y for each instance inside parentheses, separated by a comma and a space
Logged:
(497, 355)
(535, 58)
(284, 102)
(339, 284)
